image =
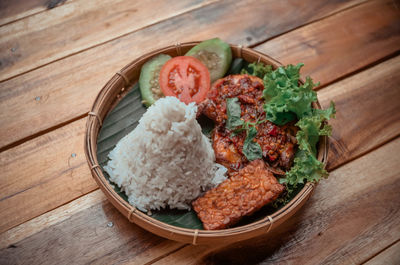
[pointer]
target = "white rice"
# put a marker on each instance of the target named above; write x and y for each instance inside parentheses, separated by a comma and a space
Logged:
(166, 160)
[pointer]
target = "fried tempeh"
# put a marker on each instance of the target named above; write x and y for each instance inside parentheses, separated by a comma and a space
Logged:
(245, 192)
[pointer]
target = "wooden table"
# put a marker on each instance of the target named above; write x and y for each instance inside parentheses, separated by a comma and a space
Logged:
(55, 56)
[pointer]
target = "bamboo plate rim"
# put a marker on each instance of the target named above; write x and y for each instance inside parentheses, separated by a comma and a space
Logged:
(110, 95)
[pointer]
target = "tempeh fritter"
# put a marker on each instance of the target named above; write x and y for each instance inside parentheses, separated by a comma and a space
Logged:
(245, 192)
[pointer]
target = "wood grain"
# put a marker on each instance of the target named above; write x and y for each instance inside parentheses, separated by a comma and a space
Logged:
(83, 24)
(86, 24)
(99, 235)
(342, 94)
(342, 43)
(351, 218)
(343, 222)
(390, 255)
(50, 218)
(368, 111)
(43, 174)
(68, 87)
(11, 10)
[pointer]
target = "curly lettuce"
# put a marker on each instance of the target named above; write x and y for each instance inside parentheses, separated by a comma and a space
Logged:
(257, 69)
(287, 100)
(306, 166)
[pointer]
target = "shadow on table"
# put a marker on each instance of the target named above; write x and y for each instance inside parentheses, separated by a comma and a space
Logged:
(262, 249)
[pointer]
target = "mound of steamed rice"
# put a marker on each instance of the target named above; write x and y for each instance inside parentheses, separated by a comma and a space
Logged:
(165, 160)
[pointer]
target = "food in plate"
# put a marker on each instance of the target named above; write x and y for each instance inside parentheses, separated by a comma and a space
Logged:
(165, 160)
(186, 78)
(245, 192)
(265, 134)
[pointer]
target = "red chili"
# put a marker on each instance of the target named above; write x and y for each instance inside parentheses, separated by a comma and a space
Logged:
(274, 131)
(272, 157)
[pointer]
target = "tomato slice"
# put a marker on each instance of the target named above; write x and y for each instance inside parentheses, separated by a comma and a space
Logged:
(186, 78)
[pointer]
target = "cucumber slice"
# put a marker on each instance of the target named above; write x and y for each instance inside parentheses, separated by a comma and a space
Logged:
(215, 54)
(148, 80)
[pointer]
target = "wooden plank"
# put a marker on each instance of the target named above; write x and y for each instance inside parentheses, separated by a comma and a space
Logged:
(342, 43)
(368, 111)
(43, 174)
(83, 24)
(86, 24)
(390, 255)
(350, 216)
(50, 218)
(31, 180)
(337, 93)
(11, 10)
(60, 84)
(99, 234)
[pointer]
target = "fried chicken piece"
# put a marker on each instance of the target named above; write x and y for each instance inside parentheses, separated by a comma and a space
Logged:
(248, 89)
(277, 142)
(245, 192)
(226, 152)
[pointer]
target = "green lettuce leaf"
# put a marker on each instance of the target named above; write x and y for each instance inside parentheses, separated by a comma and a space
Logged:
(312, 127)
(306, 166)
(284, 98)
(257, 69)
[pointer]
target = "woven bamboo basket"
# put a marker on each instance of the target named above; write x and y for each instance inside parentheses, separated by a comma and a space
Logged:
(110, 96)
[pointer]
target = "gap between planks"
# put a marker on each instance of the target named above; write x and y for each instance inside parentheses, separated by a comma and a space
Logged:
(109, 40)
(194, 254)
(81, 122)
(361, 69)
(373, 259)
(41, 132)
(158, 22)
(57, 126)
(365, 152)
(62, 212)
(34, 226)
(380, 141)
(89, 194)
(308, 23)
